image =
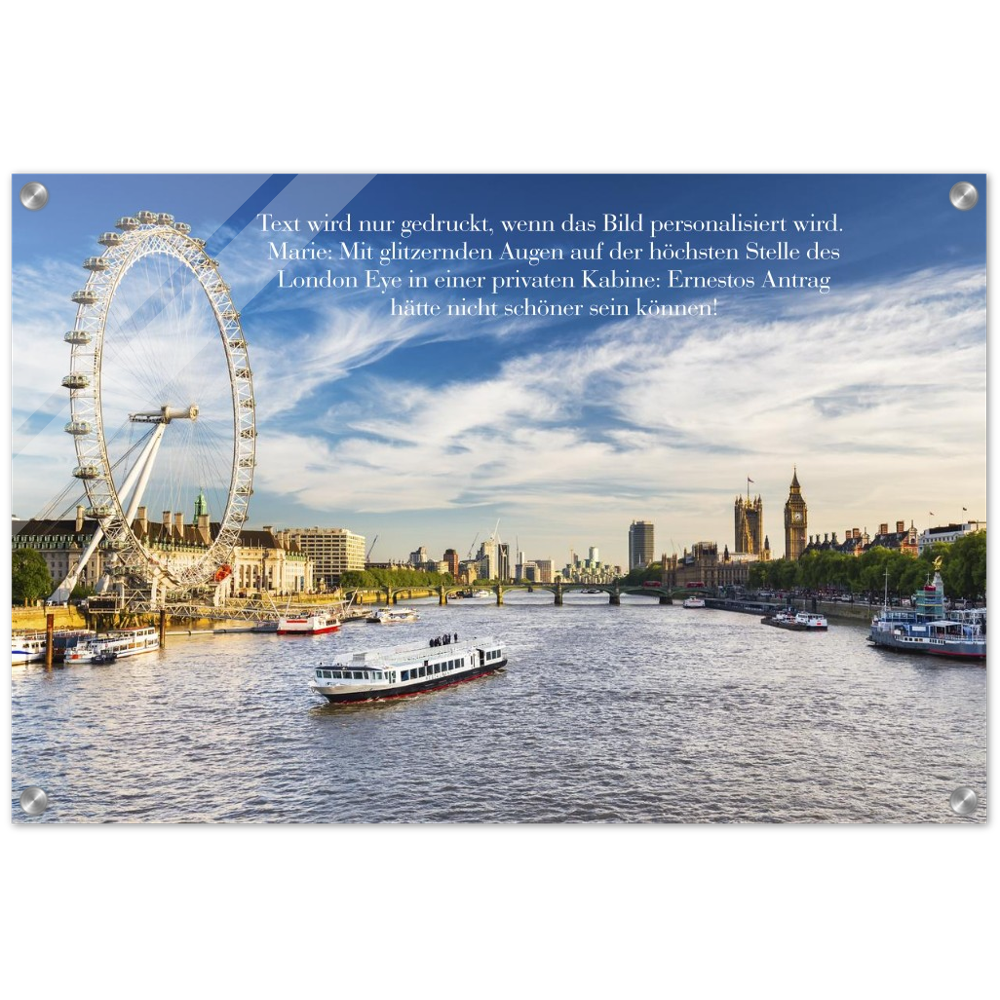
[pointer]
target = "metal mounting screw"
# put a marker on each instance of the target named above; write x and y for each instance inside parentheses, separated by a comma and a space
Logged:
(963, 196)
(34, 801)
(964, 801)
(34, 195)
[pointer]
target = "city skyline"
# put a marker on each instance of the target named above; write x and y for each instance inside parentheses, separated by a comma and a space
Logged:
(426, 433)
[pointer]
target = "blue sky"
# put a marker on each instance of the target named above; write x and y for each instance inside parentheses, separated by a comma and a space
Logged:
(426, 431)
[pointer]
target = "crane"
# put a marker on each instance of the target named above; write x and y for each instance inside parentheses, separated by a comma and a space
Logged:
(370, 547)
(472, 547)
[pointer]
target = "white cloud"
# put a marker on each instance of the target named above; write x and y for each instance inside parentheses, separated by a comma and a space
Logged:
(877, 394)
(878, 397)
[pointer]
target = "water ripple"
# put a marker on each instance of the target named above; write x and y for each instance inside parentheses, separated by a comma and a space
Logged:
(634, 714)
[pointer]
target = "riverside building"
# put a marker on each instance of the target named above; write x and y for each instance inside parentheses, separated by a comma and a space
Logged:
(640, 544)
(333, 551)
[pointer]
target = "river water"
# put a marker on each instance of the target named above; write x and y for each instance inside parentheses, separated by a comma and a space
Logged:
(639, 713)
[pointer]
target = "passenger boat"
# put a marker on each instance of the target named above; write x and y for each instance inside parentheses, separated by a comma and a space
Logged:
(318, 623)
(28, 647)
(390, 616)
(121, 642)
(797, 621)
(782, 619)
(694, 602)
(811, 621)
(928, 629)
(408, 669)
(66, 639)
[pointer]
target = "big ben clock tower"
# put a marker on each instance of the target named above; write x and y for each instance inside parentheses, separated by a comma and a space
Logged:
(796, 514)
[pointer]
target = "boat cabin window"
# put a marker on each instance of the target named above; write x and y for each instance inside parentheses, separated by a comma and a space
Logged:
(359, 675)
(406, 675)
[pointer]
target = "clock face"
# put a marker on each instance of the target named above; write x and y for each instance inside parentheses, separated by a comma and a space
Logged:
(797, 516)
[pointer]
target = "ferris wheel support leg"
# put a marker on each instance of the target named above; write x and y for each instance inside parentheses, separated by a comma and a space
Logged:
(141, 470)
(62, 593)
(145, 464)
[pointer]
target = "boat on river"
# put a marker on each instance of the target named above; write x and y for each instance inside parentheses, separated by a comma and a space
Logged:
(317, 623)
(797, 621)
(28, 647)
(694, 602)
(64, 640)
(928, 629)
(408, 669)
(392, 616)
(121, 642)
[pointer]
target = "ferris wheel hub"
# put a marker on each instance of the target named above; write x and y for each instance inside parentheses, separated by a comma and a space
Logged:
(165, 414)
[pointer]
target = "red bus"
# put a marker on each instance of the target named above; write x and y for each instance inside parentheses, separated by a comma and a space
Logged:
(699, 585)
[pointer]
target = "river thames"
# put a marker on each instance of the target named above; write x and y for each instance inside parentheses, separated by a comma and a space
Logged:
(634, 714)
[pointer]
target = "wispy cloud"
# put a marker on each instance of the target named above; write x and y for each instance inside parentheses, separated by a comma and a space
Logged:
(883, 393)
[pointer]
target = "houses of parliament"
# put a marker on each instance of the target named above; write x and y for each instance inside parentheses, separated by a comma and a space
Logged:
(748, 515)
(705, 566)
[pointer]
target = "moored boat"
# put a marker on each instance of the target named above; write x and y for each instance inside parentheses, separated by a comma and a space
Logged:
(66, 639)
(694, 602)
(811, 621)
(120, 642)
(28, 647)
(927, 629)
(317, 623)
(782, 619)
(408, 669)
(796, 621)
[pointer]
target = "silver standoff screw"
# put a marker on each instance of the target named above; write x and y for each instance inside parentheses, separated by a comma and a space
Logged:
(964, 801)
(963, 196)
(34, 195)
(34, 801)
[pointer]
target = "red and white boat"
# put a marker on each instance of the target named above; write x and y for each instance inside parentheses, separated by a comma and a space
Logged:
(316, 623)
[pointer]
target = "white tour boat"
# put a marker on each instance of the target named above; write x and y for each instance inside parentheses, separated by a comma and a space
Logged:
(812, 622)
(796, 621)
(317, 623)
(65, 639)
(28, 647)
(389, 616)
(408, 669)
(694, 602)
(115, 644)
